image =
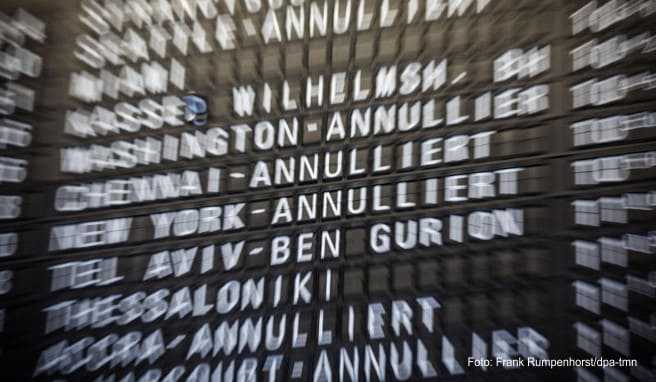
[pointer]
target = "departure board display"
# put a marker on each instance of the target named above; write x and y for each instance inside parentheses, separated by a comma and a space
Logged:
(327, 190)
